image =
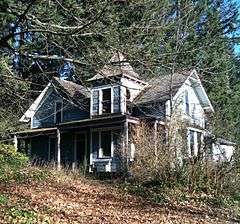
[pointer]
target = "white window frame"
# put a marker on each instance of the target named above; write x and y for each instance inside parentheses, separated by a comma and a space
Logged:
(187, 108)
(100, 89)
(195, 144)
(55, 112)
(100, 130)
(100, 150)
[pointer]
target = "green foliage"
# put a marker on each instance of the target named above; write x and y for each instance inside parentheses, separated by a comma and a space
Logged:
(24, 216)
(11, 163)
(15, 167)
(157, 37)
(3, 199)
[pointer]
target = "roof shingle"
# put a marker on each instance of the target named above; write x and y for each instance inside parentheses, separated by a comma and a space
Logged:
(118, 65)
(72, 89)
(161, 88)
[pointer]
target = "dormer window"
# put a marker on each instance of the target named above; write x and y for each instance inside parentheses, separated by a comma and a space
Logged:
(106, 100)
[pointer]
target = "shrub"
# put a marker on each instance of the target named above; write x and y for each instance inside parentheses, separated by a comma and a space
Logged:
(11, 163)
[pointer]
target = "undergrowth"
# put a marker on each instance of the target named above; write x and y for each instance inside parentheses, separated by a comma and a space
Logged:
(165, 195)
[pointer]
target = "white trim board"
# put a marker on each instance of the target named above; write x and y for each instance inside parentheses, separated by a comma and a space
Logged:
(33, 108)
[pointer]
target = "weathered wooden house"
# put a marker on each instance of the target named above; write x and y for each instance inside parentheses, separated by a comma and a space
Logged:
(74, 124)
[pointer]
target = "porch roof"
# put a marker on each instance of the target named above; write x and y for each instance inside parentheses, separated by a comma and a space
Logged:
(90, 122)
(37, 131)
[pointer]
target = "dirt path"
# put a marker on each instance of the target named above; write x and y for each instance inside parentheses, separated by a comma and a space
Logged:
(85, 201)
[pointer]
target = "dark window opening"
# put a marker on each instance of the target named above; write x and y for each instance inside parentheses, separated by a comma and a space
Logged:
(106, 143)
(95, 144)
(58, 112)
(106, 101)
(187, 103)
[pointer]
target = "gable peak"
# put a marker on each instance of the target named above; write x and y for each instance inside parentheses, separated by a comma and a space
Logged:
(117, 57)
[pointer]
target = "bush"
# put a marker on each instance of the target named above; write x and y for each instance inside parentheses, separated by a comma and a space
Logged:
(11, 163)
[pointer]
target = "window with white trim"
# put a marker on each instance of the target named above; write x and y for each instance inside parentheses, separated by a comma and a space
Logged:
(106, 100)
(105, 142)
(95, 102)
(194, 142)
(186, 99)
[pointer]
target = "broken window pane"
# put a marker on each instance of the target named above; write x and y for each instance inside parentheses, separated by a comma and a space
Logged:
(106, 101)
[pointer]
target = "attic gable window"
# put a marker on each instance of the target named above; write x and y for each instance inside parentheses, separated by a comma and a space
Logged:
(187, 108)
(106, 100)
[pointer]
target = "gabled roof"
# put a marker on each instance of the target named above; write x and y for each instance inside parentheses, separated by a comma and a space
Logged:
(161, 88)
(165, 87)
(117, 66)
(70, 90)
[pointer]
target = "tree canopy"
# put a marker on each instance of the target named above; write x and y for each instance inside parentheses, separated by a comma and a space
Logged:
(39, 38)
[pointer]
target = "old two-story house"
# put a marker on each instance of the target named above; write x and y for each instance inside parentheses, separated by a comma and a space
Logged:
(74, 124)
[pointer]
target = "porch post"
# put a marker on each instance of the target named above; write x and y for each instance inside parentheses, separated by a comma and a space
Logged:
(125, 141)
(58, 149)
(15, 140)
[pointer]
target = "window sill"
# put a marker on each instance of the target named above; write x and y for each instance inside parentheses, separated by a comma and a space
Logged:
(103, 159)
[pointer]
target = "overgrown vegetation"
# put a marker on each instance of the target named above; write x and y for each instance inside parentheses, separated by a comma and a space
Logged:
(15, 167)
(165, 173)
(45, 195)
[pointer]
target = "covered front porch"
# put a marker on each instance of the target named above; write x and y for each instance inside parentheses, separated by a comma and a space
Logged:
(91, 144)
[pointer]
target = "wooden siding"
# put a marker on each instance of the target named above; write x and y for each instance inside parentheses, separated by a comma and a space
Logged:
(44, 116)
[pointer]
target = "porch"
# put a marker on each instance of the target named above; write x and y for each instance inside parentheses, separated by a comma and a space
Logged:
(92, 144)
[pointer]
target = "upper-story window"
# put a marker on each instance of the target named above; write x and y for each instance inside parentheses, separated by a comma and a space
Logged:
(187, 108)
(106, 100)
(58, 112)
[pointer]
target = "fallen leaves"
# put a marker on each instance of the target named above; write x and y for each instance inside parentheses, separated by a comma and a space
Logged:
(89, 201)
